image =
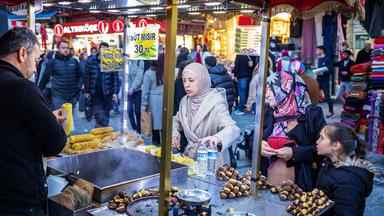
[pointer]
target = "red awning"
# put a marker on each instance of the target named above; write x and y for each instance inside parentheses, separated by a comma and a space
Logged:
(301, 5)
(11, 2)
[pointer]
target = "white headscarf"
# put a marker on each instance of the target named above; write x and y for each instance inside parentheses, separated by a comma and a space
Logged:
(203, 87)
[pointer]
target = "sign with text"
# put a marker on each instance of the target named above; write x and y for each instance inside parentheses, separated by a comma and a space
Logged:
(73, 29)
(143, 43)
(111, 59)
(248, 40)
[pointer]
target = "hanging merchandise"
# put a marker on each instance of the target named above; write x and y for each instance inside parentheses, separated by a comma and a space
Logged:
(308, 42)
(296, 27)
(330, 33)
(376, 129)
(374, 19)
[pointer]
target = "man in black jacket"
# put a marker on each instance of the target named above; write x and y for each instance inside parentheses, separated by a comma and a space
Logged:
(100, 87)
(28, 129)
(244, 66)
(323, 78)
(345, 73)
(364, 55)
(221, 79)
(65, 73)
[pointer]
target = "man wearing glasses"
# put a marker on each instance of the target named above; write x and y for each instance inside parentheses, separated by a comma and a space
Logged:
(65, 75)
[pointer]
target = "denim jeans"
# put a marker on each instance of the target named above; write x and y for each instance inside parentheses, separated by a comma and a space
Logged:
(243, 88)
(324, 85)
(134, 110)
(344, 87)
(102, 105)
(57, 102)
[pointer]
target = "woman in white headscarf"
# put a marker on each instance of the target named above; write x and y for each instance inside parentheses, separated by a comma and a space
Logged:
(203, 114)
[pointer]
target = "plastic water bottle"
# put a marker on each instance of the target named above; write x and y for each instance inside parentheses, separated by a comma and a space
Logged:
(202, 160)
(212, 158)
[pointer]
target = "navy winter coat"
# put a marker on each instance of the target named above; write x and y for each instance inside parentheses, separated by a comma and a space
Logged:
(66, 77)
(221, 78)
(109, 80)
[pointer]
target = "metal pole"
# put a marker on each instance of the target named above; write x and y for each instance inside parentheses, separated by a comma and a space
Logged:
(260, 96)
(169, 86)
(124, 93)
(31, 15)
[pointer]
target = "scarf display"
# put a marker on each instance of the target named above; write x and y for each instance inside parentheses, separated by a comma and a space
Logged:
(375, 125)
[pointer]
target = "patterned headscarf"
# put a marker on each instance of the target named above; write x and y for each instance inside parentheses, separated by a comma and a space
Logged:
(292, 99)
(203, 86)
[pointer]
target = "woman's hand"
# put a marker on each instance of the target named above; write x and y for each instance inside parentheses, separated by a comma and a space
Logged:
(210, 140)
(266, 150)
(284, 153)
(176, 143)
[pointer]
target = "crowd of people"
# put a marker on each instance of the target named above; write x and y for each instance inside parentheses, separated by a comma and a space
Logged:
(297, 145)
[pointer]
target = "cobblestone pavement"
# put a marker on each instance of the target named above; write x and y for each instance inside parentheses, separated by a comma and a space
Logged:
(374, 203)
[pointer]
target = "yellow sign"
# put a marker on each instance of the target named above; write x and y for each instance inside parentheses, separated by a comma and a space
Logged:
(111, 59)
(143, 43)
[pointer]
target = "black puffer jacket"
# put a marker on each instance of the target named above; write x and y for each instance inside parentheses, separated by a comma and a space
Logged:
(221, 78)
(347, 183)
(28, 131)
(109, 80)
(66, 76)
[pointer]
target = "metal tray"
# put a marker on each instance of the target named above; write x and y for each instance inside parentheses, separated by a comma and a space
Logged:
(114, 170)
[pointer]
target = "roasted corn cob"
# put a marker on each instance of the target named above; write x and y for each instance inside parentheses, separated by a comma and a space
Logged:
(102, 130)
(81, 138)
(81, 146)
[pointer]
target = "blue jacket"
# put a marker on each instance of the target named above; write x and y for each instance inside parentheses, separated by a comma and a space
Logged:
(66, 77)
(108, 80)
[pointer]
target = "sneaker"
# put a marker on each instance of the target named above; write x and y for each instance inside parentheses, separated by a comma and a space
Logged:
(238, 112)
(330, 115)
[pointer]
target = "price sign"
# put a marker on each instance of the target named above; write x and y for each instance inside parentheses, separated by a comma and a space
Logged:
(111, 59)
(248, 40)
(143, 43)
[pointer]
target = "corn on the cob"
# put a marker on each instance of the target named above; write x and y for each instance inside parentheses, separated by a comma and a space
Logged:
(107, 139)
(81, 138)
(81, 146)
(102, 130)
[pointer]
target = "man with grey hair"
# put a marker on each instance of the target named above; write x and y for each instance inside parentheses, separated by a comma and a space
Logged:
(364, 55)
(28, 129)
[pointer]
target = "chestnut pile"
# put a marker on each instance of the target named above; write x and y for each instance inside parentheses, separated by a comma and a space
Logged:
(263, 183)
(309, 203)
(121, 201)
(234, 188)
(225, 172)
(288, 191)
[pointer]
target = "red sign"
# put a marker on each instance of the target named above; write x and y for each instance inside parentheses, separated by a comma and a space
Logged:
(58, 30)
(103, 27)
(73, 29)
(118, 26)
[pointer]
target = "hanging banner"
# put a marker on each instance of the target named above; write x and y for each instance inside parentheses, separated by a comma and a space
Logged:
(248, 40)
(111, 59)
(143, 43)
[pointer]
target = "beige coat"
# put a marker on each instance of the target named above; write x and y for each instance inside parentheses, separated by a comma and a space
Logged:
(211, 119)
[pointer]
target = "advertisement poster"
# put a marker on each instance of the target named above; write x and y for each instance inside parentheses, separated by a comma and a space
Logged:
(111, 59)
(143, 43)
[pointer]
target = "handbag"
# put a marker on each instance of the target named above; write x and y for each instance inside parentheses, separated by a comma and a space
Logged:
(146, 123)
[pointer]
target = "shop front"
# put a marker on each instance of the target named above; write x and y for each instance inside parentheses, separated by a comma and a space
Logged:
(85, 35)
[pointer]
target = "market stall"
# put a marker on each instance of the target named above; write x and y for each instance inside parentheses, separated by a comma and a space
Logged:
(118, 178)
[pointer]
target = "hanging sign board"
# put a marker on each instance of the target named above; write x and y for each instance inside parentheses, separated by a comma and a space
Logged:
(111, 59)
(143, 43)
(248, 40)
(21, 9)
